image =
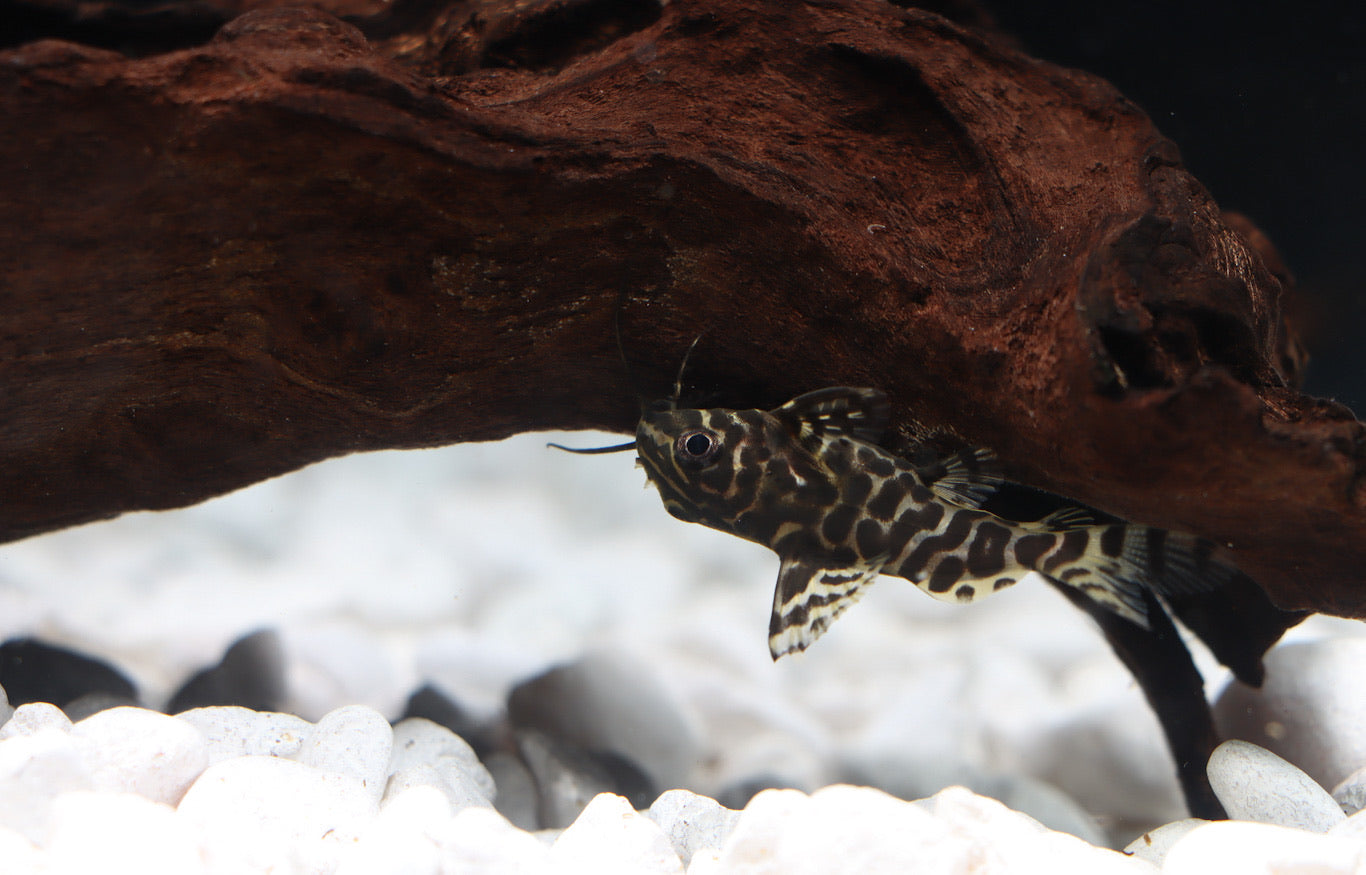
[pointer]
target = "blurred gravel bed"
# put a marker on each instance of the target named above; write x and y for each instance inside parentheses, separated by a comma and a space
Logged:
(581, 641)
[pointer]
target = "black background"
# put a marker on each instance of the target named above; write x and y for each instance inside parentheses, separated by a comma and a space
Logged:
(1267, 102)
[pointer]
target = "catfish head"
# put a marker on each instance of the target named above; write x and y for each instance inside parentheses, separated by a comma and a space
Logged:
(764, 475)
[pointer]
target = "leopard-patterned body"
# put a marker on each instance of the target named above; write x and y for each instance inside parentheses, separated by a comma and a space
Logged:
(810, 480)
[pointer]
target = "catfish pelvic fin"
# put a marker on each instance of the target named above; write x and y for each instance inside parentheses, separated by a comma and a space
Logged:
(967, 478)
(1070, 517)
(809, 596)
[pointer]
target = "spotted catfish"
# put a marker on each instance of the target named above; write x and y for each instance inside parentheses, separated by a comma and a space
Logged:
(810, 480)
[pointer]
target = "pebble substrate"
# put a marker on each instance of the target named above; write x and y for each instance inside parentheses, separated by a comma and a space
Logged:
(386, 573)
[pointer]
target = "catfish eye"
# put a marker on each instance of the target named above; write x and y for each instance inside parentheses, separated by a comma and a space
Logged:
(696, 447)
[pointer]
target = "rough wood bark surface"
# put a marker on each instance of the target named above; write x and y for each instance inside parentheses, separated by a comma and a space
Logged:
(307, 237)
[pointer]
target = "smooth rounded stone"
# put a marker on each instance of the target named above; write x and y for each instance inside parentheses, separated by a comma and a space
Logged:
(35, 769)
(91, 704)
(1354, 827)
(232, 731)
(692, 822)
(251, 674)
(1155, 844)
(33, 718)
(989, 821)
(611, 836)
(912, 777)
(459, 791)
(1350, 793)
(1255, 784)
(19, 854)
(423, 742)
(517, 798)
(1311, 710)
(6, 709)
(431, 703)
(353, 740)
(35, 671)
(1262, 849)
(401, 839)
(567, 778)
(609, 702)
(1106, 751)
(102, 832)
(1045, 803)
(138, 751)
(482, 840)
(843, 829)
(256, 811)
(548, 837)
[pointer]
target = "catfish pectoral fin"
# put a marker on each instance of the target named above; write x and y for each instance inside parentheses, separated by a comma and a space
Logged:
(809, 596)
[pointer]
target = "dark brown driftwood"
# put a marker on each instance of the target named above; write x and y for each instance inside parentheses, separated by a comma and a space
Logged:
(226, 262)
(309, 237)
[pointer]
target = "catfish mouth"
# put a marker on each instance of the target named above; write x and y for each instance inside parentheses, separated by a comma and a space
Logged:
(653, 448)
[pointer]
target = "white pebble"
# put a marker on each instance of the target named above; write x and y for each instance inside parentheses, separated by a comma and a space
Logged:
(517, 799)
(1042, 801)
(33, 717)
(458, 793)
(1262, 849)
(985, 822)
(419, 742)
(1255, 784)
(401, 839)
(756, 844)
(1104, 748)
(24, 756)
(353, 740)
(610, 837)
(1155, 844)
(232, 732)
(133, 750)
(1350, 793)
(692, 822)
(1311, 709)
(106, 832)
(1354, 827)
(20, 854)
(482, 840)
(34, 770)
(842, 829)
(566, 779)
(256, 811)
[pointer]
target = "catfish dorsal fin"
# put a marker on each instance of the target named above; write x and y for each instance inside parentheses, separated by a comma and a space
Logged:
(809, 596)
(859, 413)
(966, 478)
